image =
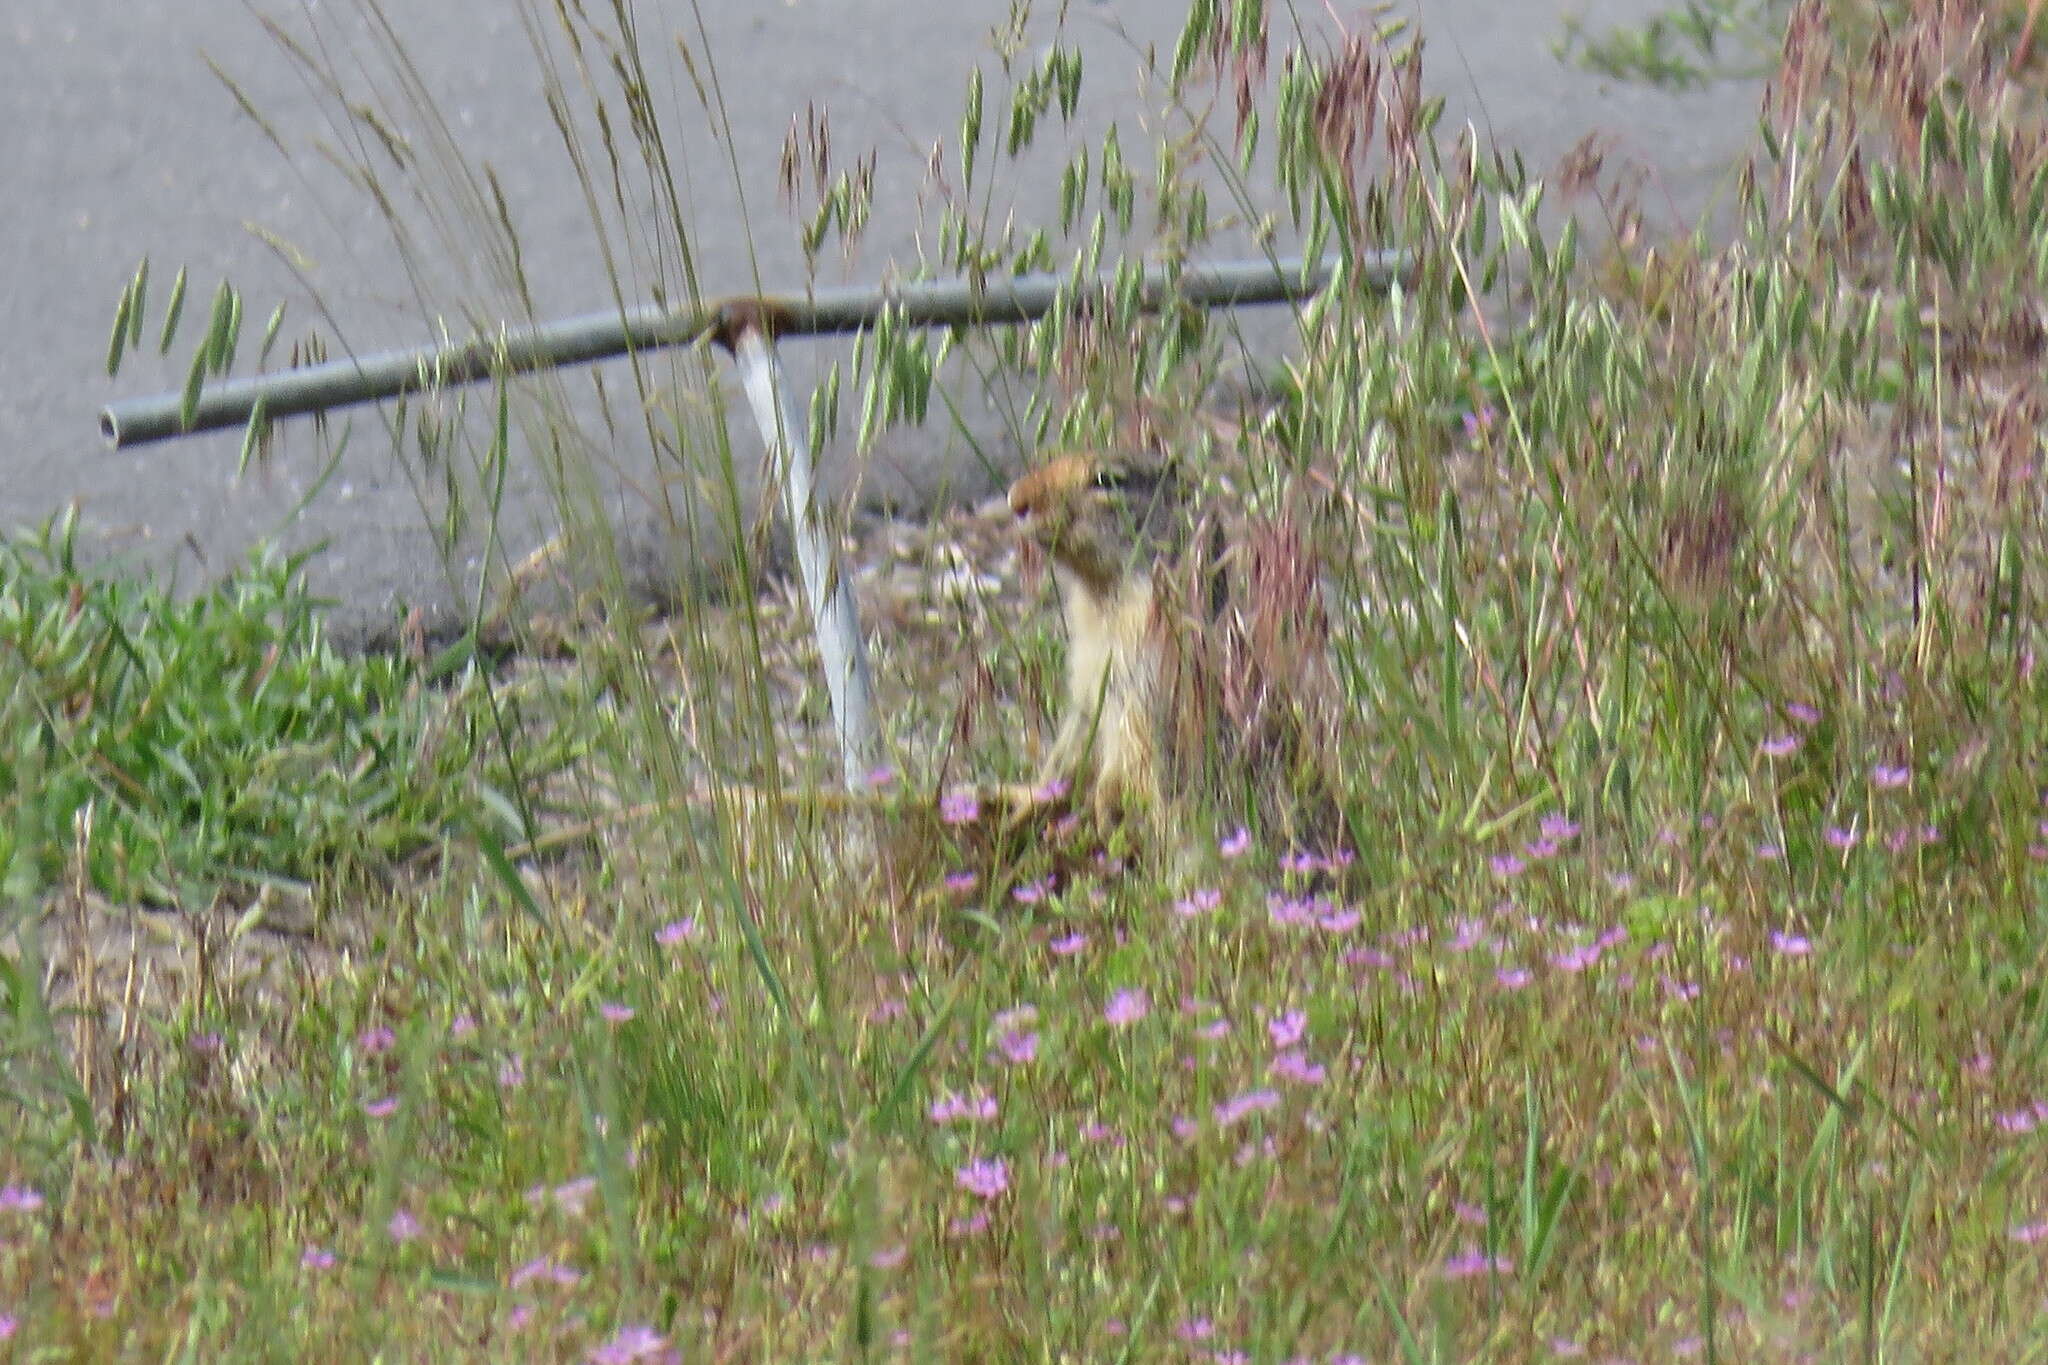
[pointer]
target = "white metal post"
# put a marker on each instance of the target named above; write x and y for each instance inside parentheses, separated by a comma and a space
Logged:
(833, 618)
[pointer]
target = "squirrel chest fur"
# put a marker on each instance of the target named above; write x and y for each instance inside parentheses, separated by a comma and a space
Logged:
(1108, 738)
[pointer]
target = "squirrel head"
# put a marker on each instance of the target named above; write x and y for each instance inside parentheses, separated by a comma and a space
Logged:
(1089, 511)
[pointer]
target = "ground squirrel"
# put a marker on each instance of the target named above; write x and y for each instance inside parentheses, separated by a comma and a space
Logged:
(1194, 653)
(1089, 514)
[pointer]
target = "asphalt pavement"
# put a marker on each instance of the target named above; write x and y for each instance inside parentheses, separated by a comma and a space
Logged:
(117, 141)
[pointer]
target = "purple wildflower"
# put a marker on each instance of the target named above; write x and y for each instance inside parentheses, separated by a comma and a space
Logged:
(571, 1195)
(1790, 944)
(633, 1342)
(1017, 1046)
(613, 1012)
(677, 932)
(1287, 1029)
(19, 1199)
(1506, 866)
(1512, 978)
(382, 1109)
(951, 1108)
(1235, 843)
(1200, 901)
(402, 1226)
(316, 1258)
(1127, 1007)
(1094, 1130)
(2023, 1120)
(1888, 776)
(1803, 714)
(1233, 1111)
(1292, 1065)
(543, 1268)
(1068, 945)
(1289, 910)
(1779, 746)
(375, 1040)
(959, 806)
(985, 1179)
(1473, 1261)
(1576, 959)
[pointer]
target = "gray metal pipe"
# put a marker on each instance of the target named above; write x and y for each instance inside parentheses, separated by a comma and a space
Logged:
(597, 336)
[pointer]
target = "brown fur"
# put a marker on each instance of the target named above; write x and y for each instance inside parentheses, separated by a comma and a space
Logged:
(1189, 656)
(1108, 741)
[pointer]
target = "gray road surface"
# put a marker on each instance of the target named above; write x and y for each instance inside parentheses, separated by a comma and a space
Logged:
(116, 141)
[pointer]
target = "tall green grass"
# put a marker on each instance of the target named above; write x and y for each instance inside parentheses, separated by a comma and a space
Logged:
(161, 747)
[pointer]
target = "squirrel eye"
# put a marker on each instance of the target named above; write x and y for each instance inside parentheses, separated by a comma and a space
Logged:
(1109, 476)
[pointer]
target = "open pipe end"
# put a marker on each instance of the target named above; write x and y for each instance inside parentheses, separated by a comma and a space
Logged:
(110, 428)
(734, 318)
